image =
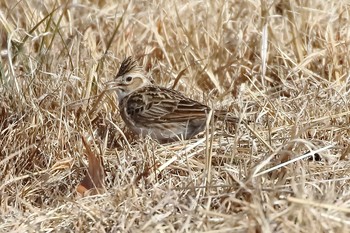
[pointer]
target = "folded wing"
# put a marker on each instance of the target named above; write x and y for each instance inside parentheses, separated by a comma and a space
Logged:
(160, 105)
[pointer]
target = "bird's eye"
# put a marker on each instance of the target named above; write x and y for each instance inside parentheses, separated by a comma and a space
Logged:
(128, 79)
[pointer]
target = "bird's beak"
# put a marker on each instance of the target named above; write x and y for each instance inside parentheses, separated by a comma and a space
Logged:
(111, 85)
(115, 85)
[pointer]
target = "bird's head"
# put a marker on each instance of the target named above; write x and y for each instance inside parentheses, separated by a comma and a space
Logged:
(130, 77)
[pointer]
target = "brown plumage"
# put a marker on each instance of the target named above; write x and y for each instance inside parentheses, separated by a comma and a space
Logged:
(164, 114)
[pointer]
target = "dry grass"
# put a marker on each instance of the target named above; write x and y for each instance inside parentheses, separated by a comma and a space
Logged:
(282, 65)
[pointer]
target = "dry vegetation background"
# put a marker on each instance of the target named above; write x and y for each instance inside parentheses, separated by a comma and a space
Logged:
(283, 65)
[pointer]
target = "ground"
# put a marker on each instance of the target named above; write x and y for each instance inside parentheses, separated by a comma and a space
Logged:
(282, 67)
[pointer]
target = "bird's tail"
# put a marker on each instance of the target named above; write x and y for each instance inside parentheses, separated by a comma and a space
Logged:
(225, 116)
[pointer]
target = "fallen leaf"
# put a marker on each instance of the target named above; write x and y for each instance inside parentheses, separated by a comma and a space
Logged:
(93, 182)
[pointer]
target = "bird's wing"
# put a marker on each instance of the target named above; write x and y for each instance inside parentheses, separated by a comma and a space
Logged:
(158, 105)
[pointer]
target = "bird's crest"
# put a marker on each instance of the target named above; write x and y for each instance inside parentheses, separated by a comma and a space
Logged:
(129, 64)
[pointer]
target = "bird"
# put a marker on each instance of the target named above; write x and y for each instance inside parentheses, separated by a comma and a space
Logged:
(166, 115)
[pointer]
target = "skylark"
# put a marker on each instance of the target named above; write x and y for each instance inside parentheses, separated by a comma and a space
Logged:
(164, 114)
